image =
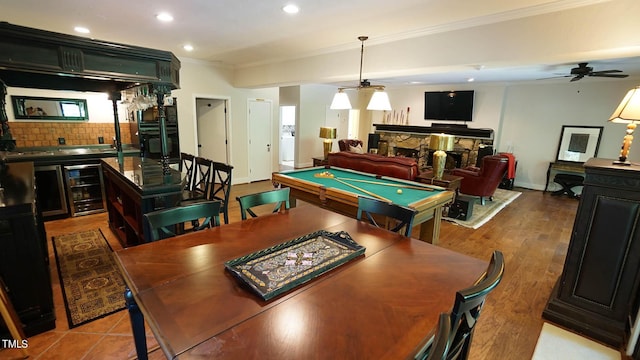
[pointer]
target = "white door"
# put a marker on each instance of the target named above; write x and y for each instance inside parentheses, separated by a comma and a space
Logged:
(260, 145)
(212, 129)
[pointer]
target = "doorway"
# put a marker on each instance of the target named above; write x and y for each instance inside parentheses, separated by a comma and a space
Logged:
(213, 129)
(260, 119)
(287, 136)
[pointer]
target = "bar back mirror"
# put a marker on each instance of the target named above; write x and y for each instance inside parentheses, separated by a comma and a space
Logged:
(44, 108)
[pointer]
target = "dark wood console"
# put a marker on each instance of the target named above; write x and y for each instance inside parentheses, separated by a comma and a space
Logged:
(597, 293)
(24, 258)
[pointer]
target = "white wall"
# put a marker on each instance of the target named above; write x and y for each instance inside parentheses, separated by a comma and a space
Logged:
(201, 79)
(527, 118)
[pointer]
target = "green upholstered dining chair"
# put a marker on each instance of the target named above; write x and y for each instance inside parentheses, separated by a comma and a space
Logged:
(169, 222)
(466, 311)
(367, 207)
(220, 186)
(279, 197)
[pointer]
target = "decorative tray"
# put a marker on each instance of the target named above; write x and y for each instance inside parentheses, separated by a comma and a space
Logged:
(275, 270)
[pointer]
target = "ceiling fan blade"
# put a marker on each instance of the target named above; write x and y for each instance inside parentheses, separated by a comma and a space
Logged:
(555, 77)
(606, 71)
(609, 75)
(576, 78)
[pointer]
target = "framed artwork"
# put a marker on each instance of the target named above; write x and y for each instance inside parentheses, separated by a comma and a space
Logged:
(579, 143)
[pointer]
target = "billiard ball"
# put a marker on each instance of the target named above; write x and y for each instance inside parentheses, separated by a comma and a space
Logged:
(399, 191)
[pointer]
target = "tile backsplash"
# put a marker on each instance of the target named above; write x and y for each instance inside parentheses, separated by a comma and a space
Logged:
(28, 134)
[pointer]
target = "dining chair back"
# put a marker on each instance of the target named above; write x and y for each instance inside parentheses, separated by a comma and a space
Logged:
(278, 196)
(440, 345)
(404, 215)
(202, 176)
(466, 311)
(187, 163)
(220, 187)
(169, 222)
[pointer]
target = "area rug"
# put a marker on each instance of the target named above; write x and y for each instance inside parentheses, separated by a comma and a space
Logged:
(92, 286)
(483, 213)
(555, 343)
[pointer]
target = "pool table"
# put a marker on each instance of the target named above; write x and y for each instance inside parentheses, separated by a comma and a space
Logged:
(334, 194)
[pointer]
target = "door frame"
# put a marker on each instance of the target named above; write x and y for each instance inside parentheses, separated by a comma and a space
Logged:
(227, 119)
(251, 176)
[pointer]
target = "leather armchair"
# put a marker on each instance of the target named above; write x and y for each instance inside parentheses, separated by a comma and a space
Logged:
(344, 144)
(484, 181)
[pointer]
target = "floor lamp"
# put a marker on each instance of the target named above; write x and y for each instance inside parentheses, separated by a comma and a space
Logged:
(441, 143)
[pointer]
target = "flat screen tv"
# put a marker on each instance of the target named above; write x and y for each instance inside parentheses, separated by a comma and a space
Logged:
(448, 105)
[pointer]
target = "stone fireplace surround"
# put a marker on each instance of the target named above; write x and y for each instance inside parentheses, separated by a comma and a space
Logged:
(413, 141)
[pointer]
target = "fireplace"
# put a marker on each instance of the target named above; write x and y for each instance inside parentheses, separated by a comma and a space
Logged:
(454, 159)
(407, 152)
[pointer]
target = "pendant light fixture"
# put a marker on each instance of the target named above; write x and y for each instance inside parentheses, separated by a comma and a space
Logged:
(379, 99)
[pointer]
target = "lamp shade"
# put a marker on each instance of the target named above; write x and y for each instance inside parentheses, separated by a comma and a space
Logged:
(441, 142)
(328, 132)
(379, 101)
(629, 109)
(340, 101)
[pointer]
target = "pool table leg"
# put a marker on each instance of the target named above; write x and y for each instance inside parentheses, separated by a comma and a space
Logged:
(430, 229)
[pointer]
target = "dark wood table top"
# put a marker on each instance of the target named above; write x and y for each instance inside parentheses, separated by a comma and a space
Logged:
(377, 306)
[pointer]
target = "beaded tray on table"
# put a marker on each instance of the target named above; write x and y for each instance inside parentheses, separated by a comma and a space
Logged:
(275, 270)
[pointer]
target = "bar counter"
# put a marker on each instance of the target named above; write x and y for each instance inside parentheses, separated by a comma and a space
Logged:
(135, 186)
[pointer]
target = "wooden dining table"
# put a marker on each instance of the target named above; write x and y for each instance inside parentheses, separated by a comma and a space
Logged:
(379, 305)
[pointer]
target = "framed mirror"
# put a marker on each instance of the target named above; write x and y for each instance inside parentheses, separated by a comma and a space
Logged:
(44, 108)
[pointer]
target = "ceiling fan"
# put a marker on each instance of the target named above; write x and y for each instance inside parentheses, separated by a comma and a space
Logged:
(583, 70)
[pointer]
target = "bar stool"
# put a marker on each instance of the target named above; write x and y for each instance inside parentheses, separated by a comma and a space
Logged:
(11, 319)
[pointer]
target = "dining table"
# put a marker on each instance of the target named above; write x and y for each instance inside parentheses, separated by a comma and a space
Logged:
(380, 304)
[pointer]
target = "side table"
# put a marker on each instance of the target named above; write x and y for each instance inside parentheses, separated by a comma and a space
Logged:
(450, 182)
(320, 161)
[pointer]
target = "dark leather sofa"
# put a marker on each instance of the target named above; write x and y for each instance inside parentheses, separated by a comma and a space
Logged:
(397, 166)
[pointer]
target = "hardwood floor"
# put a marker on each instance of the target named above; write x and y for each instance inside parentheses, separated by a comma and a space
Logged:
(533, 233)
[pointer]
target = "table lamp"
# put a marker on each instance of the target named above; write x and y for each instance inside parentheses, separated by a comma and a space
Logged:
(328, 134)
(441, 143)
(627, 112)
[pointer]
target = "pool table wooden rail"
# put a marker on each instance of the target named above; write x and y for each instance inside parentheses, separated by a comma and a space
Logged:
(429, 209)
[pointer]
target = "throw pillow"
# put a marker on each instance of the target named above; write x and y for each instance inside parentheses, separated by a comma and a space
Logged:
(356, 149)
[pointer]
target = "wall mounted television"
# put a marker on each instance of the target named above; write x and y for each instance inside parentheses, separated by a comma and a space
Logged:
(448, 105)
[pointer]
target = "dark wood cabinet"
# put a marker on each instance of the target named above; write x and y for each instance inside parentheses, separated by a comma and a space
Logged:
(135, 186)
(597, 293)
(24, 258)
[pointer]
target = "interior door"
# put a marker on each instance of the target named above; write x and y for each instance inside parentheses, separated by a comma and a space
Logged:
(212, 129)
(260, 145)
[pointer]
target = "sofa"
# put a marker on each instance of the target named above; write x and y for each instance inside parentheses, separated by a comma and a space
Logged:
(398, 166)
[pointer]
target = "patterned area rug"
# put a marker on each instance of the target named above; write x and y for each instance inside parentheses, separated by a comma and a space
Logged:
(92, 286)
(483, 213)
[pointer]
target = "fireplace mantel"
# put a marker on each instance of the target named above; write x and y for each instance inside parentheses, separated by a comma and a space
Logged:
(451, 129)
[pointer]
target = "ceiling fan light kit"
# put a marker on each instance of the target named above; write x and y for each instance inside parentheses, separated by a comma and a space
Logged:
(379, 99)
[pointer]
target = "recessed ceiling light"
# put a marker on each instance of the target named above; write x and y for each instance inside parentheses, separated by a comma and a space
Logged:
(471, 80)
(188, 47)
(81, 29)
(291, 9)
(165, 17)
